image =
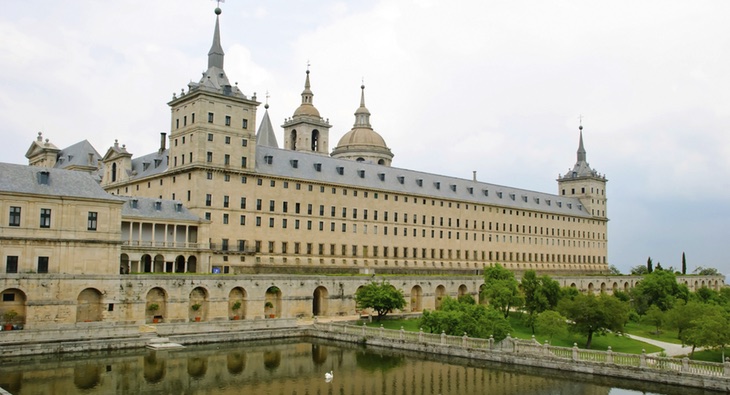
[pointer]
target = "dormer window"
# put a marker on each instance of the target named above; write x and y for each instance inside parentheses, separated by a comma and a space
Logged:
(340, 170)
(158, 205)
(361, 173)
(157, 162)
(453, 187)
(178, 207)
(318, 166)
(512, 196)
(401, 179)
(437, 185)
(133, 203)
(560, 204)
(44, 177)
(470, 190)
(294, 163)
(537, 200)
(419, 182)
(268, 159)
(570, 205)
(499, 195)
(381, 176)
(524, 198)
(145, 165)
(580, 207)
(547, 201)
(486, 192)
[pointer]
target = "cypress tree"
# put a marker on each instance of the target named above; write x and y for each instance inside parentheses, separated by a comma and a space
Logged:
(684, 263)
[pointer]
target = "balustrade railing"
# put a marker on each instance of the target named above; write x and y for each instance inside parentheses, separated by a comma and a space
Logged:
(532, 347)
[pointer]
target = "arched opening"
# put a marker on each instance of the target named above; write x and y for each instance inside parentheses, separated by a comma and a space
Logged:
(319, 302)
(440, 293)
(572, 285)
(272, 359)
(482, 299)
(360, 159)
(159, 263)
(272, 302)
(293, 140)
(179, 264)
(192, 264)
(319, 354)
(88, 306)
(590, 288)
(236, 362)
(155, 305)
(124, 267)
(381, 162)
(615, 287)
(198, 309)
(315, 140)
(86, 376)
(12, 308)
(416, 298)
(603, 288)
(114, 172)
(146, 263)
(197, 367)
(154, 369)
(237, 303)
(463, 290)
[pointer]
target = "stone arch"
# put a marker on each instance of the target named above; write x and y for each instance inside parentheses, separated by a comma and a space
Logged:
(626, 287)
(603, 288)
(440, 294)
(124, 267)
(236, 363)
(293, 140)
(179, 264)
(590, 288)
(416, 298)
(381, 162)
(272, 302)
(315, 140)
(198, 302)
(159, 264)
(482, 299)
(197, 367)
(319, 301)
(614, 288)
(155, 305)
(360, 159)
(573, 285)
(86, 376)
(272, 359)
(88, 305)
(319, 354)
(463, 290)
(13, 300)
(192, 264)
(237, 303)
(146, 262)
(154, 369)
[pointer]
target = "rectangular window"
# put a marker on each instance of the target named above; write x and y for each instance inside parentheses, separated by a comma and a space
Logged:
(14, 216)
(271, 222)
(244, 162)
(285, 207)
(258, 221)
(11, 264)
(209, 157)
(210, 120)
(243, 202)
(207, 216)
(244, 124)
(208, 199)
(42, 264)
(272, 205)
(225, 201)
(243, 220)
(225, 219)
(226, 159)
(91, 224)
(244, 143)
(228, 120)
(45, 218)
(258, 204)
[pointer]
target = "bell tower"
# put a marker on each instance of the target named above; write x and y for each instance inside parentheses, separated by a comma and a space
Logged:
(584, 183)
(306, 130)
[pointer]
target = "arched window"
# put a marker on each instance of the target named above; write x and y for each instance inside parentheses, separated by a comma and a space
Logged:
(114, 172)
(293, 140)
(315, 140)
(361, 159)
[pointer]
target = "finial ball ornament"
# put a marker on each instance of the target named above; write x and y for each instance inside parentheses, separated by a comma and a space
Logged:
(580, 127)
(218, 10)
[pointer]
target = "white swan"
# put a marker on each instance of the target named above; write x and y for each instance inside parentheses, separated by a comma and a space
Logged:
(328, 376)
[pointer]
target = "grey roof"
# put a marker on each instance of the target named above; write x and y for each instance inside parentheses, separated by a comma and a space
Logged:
(317, 168)
(150, 164)
(68, 183)
(149, 208)
(266, 136)
(581, 167)
(78, 155)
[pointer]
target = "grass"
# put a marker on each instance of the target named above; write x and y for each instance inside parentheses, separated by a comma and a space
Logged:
(520, 331)
(710, 355)
(648, 331)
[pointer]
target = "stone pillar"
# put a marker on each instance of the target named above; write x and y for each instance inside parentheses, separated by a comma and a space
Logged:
(464, 339)
(575, 351)
(545, 348)
(363, 328)
(420, 335)
(609, 355)
(685, 364)
(491, 342)
(402, 333)
(642, 359)
(443, 337)
(727, 367)
(381, 329)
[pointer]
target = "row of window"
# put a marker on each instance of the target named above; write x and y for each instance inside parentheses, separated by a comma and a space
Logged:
(45, 218)
(11, 264)
(211, 119)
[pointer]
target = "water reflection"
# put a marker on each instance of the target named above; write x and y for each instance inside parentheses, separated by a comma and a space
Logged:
(295, 368)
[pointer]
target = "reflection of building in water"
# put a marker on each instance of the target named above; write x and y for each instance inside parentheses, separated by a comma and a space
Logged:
(284, 368)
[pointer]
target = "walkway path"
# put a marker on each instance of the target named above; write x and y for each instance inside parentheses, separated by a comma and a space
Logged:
(670, 349)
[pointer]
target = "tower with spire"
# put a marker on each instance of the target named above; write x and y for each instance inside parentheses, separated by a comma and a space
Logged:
(585, 183)
(213, 122)
(306, 130)
(362, 143)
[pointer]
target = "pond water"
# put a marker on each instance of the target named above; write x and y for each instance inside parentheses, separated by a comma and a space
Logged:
(297, 368)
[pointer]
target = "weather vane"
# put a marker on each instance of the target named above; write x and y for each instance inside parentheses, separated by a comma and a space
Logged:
(308, 64)
(580, 119)
(267, 97)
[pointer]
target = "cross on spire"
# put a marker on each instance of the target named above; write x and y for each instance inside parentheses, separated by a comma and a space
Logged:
(580, 120)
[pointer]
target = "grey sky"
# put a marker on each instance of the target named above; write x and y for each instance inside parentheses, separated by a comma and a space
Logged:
(491, 86)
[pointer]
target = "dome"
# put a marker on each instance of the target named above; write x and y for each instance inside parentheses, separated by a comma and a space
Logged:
(307, 109)
(362, 136)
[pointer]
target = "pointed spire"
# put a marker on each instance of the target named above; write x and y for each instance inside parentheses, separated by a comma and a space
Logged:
(307, 108)
(215, 55)
(265, 135)
(307, 92)
(581, 149)
(362, 115)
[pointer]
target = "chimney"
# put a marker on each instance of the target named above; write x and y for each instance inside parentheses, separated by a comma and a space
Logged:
(163, 141)
(474, 173)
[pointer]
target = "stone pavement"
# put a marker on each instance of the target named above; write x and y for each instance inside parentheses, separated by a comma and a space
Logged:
(670, 349)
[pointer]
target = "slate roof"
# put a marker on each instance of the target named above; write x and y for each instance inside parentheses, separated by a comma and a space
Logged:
(69, 183)
(150, 164)
(147, 208)
(77, 155)
(266, 135)
(303, 165)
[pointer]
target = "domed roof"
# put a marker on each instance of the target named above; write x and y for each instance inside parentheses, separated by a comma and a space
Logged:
(362, 136)
(307, 109)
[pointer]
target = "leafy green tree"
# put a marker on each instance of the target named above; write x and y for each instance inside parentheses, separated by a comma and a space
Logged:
(708, 330)
(381, 297)
(680, 317)
(655, 316)
(568, 293)
(613, 270)
(639, 270)
(705, 271)
(501, 289)
(551, 323)
(541, 293)
(594, 315)
(456, 317)
(649, 266)
(684, 263)
(658, 288)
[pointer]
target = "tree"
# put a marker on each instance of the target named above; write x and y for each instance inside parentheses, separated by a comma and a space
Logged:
(501, 289)
(613, 270)
(541, 293)
(705, 271)
(708, 330)
(456, 317)
(381, 297)
(594, 314)
(658, 288)
(684, 263)
(550, 323)
(639, 270)
(655, 316)
(649, 267)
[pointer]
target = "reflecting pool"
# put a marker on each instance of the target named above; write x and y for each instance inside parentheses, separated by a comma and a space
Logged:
(296, 367)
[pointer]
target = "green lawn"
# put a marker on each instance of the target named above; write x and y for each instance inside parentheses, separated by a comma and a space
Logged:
(648, 331)
(617, 343)
(710, 355)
